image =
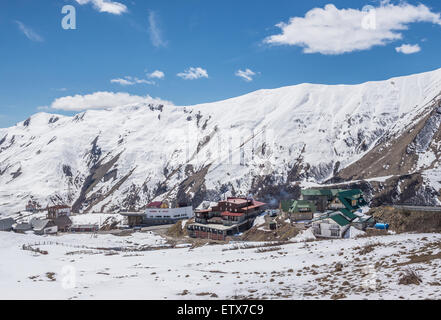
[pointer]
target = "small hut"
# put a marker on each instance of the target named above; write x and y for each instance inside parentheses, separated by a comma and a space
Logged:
(63, 223)
(6, 224)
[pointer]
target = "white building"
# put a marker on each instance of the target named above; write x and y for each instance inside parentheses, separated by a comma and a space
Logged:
(158, 213)
(169, 213)
(332, 226)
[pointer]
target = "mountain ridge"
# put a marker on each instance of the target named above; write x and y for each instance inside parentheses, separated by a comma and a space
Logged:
(269, 142)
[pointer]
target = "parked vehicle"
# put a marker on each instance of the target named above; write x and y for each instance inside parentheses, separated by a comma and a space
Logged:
(273, 213)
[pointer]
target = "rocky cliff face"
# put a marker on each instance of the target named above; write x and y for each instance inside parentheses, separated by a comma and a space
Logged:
(381, 136)
(408, 161)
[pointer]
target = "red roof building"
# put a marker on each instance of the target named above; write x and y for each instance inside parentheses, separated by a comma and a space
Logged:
(232, 214)
(226, 218)
(155, 204)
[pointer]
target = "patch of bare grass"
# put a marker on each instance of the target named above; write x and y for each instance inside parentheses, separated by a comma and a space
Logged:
(269, 249)
(368, 248)
(409, 277)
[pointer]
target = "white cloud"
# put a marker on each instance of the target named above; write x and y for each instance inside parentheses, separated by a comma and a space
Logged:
(408, 48)
(101, 100)
(330, 30)
(108, 6)
(130, 81)
(29, 33)
(155, 31)
(247, 74)
(193, 73)
(123, 82)
(156, 75)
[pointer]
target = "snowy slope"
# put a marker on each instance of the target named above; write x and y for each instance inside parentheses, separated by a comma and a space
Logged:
(79, 267)
(121, 158)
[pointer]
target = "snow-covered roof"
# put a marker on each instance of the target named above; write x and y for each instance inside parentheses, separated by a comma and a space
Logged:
(40, 224)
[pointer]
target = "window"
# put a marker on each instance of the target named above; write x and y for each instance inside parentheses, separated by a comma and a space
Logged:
(335, 233)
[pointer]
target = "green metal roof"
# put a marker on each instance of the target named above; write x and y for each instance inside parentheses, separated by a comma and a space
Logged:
(348, 214)
(351, 193)
(340, 220)
(319, 192)
(286, 205)
(332, 192)
(302, 204)
(344, 196)
(315, 192)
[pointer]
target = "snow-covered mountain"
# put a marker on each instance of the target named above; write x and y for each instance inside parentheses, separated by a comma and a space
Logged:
(382, 136)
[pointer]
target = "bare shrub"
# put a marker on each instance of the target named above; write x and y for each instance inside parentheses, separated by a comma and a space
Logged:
(36, 250)
(409, 277)
(255, 246)
(338, 296)
(268, 249)
(369, 247)
(184, 293)
(50, 276)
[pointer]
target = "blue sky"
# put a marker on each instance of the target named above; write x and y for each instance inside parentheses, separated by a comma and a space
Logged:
(196, 51)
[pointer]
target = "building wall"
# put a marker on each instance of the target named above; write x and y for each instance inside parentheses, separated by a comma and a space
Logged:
(321, 202)
(64, 211)
(159, 222)
(298, 216)
(87, 229)
(51, 230)
(47, 230)
(325, 229)
(134, 220)
(174, 213)
(54, 213)
(207, 235)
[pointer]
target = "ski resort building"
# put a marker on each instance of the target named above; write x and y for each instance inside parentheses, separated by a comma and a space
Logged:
(321, 201)
(80, 228)
(44, 226)
(331, 226)
(330, 211)
(226, 218)
(57, 211)
(320, 197)
(334, 199)
(158, 213)
(158, 205)
(299, 210)
(341, 206)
